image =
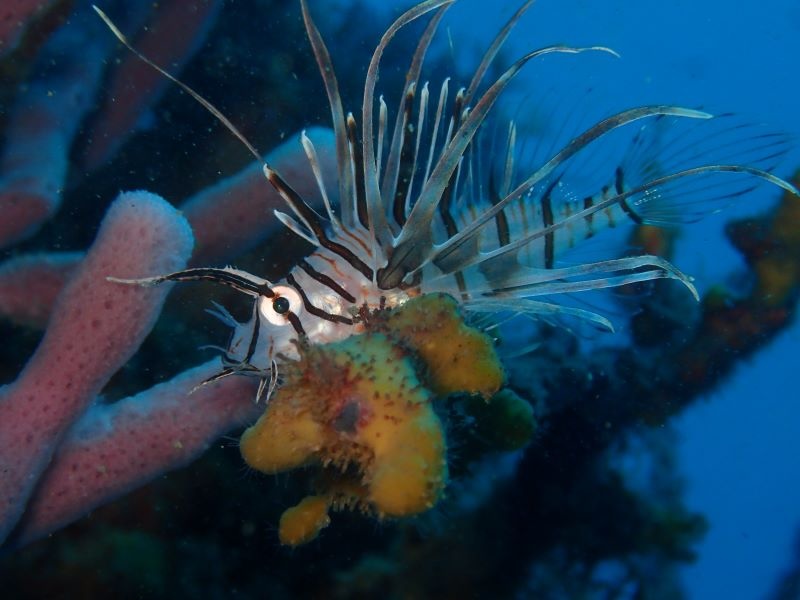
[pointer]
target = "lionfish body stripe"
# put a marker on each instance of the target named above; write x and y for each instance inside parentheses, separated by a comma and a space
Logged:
(420, 212)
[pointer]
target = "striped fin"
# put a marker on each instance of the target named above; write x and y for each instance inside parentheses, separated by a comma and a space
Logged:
(228, 276)
(658, 181)
(313, 161)
(390, 175)
(343, 155)
(440, 256)
(413, 245)
(315, 224)
(407, 158)
(379, 226)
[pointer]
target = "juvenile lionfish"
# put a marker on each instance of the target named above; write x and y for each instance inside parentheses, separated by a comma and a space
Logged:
(414, 214)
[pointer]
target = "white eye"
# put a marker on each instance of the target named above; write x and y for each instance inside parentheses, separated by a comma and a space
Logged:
(275, 309)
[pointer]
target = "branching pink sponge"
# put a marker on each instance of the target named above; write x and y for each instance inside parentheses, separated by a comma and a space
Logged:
(41, 126)
(30, 284)
(95, 327)
(228, 218)
(116, 448)
(15, 16)
(134, 86)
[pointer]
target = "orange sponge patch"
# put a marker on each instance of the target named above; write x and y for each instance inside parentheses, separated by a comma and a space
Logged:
(361, 409)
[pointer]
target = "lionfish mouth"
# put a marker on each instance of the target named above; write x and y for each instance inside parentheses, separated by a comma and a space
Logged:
(416, 209)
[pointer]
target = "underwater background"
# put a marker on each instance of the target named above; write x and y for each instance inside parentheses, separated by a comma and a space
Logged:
(737, 448)
(637, 483)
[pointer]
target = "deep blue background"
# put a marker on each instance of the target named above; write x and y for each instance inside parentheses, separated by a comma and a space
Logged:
(739, 450)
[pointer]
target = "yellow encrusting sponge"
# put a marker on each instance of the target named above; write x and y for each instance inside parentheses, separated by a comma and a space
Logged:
(361, 409)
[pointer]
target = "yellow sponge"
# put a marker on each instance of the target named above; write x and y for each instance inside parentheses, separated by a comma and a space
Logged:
(362, 410)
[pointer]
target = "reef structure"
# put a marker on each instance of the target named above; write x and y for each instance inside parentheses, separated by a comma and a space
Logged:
(57, 465)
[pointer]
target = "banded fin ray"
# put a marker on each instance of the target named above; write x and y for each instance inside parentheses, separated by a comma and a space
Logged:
(378, 223)
(313, 161)
(526, 282)
(343, 156)
(439, 255)
(411, 247)
(392, 185)
(660, 146)
(391, 170)
(239, 280)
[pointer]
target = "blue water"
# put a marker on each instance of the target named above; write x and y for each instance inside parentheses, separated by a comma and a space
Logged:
(738, 450)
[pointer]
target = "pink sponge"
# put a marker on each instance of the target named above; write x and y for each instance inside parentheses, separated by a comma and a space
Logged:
(30, 284)
(116, 448)
(15, 15)
(228, 218)
(134, 86)
(95, 327)
(44, 119)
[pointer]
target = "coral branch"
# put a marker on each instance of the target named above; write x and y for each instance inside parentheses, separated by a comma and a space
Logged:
(95, 328)
(30, 284)
(15, 18)
(135, 86)
(222, 219)
(42, 124)
(116, 448)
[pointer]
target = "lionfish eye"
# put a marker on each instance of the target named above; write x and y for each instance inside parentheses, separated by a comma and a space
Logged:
(275, 309)
(281, 305)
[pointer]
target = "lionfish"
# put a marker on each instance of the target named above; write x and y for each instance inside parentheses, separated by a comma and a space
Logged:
(414, 215)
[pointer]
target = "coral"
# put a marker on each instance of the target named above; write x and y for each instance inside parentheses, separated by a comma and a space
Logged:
(457, 358)
(788, 586)
(221, 218)
(134, 86)
(302, 523)
(363, 409)
(43, 122)
(776, 255)
(95, 328)
(16, 17)
(79, 454)
(735, 325)
(65, 450)
(233, 215)
(48, 113)
(505, 423)
(30, 284)
(116, 448)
